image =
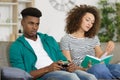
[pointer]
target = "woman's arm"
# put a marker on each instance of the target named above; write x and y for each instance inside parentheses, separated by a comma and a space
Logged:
(98, 51)
(109, 48)
(67, 55)
(72, 67)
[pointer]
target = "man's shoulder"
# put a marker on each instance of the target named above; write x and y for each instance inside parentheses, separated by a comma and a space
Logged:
(18, 42)
(45, 36)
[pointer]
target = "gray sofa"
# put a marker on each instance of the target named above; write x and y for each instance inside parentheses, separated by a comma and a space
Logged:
(4, 59)
(7, 72)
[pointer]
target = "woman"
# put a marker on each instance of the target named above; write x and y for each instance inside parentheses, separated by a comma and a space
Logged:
(82, 24)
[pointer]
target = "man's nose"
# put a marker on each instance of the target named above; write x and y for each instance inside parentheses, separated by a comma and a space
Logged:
(35, 26)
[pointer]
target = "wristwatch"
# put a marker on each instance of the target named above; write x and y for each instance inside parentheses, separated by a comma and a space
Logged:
(62, 5)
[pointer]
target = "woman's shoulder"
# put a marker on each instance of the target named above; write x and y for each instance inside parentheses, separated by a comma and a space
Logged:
(96, 38)
(93, 38)
(66, 37)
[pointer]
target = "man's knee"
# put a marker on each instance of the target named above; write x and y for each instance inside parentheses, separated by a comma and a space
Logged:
(72, 76)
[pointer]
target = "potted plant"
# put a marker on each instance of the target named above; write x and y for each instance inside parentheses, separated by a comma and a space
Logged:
(108, 13)
(118, 21)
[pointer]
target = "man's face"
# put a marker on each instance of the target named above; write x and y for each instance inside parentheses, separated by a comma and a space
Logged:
(30, 26)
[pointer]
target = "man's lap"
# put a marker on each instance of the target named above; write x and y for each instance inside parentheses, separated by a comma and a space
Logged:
(60, 75)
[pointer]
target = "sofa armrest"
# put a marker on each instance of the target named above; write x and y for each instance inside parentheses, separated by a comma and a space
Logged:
(10, 73)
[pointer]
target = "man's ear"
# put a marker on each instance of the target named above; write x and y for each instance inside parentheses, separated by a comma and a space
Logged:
(22, 22)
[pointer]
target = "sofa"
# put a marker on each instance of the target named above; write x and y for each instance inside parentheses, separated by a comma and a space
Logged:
(7, 72)
(4, 48)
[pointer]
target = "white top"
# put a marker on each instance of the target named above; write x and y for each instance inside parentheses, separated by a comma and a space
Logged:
(42, 57)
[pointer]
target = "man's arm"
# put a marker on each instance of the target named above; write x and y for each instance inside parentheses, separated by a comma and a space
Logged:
(53, 67)
(37, 73)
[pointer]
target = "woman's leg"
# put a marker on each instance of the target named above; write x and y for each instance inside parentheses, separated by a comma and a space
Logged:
(100, 71)
(114, 69)
(60, 75)
(84, 75)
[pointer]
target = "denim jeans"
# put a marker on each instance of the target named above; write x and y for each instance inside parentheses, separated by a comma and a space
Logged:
(105, 71)
(64, 75)
(114, 69)
(84, 75)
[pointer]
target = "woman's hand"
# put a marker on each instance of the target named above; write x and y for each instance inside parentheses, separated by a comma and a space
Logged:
(110, 47)
(71, 67)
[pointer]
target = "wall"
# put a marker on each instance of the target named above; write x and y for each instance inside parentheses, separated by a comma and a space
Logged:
(4, 17)
(53, 21)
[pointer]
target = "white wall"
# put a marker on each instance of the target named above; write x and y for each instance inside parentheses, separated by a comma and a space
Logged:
(5, 31)
(53, 21)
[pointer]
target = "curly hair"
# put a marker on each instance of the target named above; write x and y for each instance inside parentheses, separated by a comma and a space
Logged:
(74, 19)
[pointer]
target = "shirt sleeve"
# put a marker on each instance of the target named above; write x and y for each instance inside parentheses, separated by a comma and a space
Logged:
(15, 57)
(64, 43)
(97, 41)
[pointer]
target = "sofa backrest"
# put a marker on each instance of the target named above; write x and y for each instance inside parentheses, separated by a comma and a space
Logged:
(4, 48)
(4, 58)
(116, 52)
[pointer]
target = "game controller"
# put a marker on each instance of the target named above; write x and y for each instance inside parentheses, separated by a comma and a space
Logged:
(65, 65)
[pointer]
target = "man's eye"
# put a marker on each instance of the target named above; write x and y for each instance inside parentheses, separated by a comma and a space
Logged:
(37, 24)
(31, 23)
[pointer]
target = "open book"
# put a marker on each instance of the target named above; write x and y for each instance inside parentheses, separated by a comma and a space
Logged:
(94, 60)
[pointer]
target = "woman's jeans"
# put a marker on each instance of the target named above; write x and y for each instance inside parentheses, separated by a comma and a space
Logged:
(105, 71)
(64, 75)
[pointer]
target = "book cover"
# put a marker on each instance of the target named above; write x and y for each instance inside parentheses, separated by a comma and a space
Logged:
(94, 60)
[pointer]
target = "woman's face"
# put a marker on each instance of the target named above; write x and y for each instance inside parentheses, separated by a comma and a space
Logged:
(87, 22)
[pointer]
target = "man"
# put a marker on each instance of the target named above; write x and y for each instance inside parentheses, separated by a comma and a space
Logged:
(39, 54)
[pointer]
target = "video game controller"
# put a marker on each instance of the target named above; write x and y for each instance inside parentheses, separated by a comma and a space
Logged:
(65, 65)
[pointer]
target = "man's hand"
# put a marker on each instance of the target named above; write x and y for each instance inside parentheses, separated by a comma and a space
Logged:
(55, 66)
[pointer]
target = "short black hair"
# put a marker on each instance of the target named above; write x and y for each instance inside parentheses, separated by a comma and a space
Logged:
(31, 11)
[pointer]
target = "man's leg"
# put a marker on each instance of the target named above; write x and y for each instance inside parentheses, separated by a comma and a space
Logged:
(114, 69)
(100, 71)
(60, 75)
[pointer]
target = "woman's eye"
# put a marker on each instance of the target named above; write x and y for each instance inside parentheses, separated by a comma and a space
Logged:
(87, 19)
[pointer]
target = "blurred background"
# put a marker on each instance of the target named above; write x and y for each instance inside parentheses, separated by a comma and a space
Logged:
(53, 17)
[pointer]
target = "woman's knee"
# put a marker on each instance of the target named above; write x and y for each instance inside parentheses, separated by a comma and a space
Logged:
(99, 69)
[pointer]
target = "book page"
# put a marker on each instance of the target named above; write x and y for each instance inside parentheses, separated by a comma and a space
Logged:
(104, 55)
(94, 57)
